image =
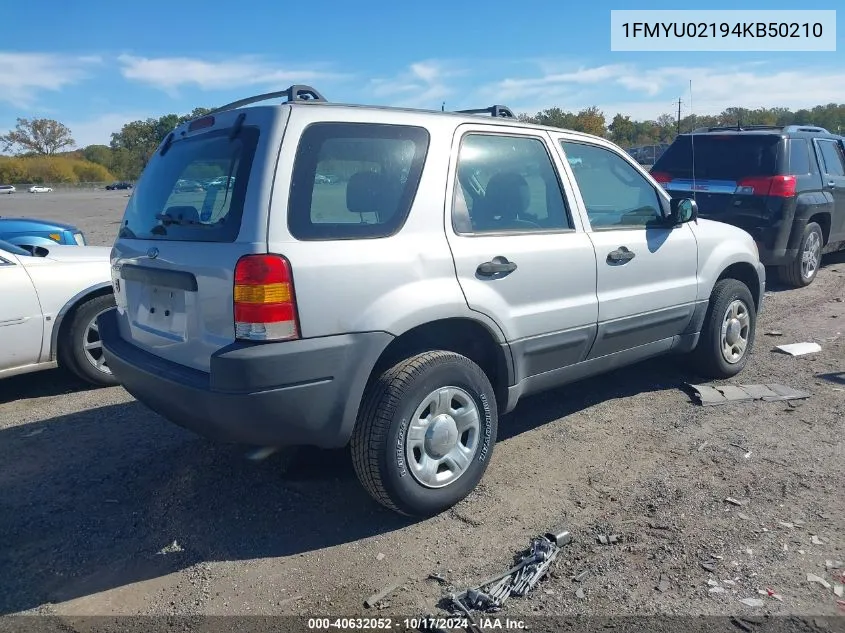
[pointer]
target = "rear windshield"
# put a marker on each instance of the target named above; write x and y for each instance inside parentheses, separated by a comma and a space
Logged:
(721, 156)
(195, 192)
(355, 180)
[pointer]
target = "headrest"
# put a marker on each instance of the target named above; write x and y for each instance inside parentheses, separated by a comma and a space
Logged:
(507, 192)
(183, 213)
(367, 192)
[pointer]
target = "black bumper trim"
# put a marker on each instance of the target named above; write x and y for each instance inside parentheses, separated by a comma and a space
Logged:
(304, 392)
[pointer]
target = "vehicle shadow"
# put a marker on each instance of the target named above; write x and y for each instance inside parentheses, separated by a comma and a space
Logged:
(830, 260)
(41, 384)
(90, 499)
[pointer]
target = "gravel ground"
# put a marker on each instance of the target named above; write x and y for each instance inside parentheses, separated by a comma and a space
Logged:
(105, 508)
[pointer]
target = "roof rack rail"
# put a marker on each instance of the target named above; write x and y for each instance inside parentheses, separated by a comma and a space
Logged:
(298, 93)
(805, 128)
(736, 128)
(494, 111)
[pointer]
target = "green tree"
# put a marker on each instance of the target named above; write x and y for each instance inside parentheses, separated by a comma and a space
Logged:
(39, 136)
(141, 138)
(99, 154)
(623, 131)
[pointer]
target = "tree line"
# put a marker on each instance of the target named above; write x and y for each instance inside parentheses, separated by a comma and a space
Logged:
(42, 153)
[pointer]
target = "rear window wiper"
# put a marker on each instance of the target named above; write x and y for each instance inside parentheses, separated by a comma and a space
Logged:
(169, 220)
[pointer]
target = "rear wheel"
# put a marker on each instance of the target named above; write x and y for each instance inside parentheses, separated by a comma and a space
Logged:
(728, 332)
(803, 270)
(425, 433)
(80, 348)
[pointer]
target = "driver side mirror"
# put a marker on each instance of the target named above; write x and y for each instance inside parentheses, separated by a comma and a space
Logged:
(683, 211)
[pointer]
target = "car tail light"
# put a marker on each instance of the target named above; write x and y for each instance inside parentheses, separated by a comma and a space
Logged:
(79, 238)
(264, 299)
(661, 177)
(779, 186)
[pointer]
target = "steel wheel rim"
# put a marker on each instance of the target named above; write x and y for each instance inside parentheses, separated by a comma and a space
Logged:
(92, 346)
(736, 330)
(442, 437)
(811, 255)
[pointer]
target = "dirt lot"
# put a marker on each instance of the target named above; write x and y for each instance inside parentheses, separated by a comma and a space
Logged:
(93, 486)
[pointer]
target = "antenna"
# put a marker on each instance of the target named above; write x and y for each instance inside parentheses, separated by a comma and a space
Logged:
(692, 144)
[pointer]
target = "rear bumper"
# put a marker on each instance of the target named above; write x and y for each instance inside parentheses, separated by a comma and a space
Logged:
(304, 392)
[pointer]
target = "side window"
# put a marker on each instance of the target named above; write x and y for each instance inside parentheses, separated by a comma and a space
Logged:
(799, 157)
(832, 157)
(507, 183)
(616, 195)
(355, 180)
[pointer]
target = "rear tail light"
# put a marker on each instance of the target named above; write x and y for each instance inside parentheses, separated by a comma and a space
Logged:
(661, 177)
(778, 186)
(264, 299)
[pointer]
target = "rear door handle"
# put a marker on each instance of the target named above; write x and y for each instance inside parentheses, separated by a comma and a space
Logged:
(497, 266)
(620, 256)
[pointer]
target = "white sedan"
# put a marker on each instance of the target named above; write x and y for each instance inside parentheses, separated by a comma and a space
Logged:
(50, 298)
(39, 189)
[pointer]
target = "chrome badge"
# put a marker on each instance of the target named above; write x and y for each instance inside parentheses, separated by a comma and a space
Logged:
(152, 253)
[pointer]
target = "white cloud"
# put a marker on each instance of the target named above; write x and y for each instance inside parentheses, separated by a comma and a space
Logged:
(170, 73)
(423, 84)
(97, 131)
(646, 93)
(25, 75)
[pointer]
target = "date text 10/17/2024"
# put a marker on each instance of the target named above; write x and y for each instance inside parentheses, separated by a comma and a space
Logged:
(412, 624)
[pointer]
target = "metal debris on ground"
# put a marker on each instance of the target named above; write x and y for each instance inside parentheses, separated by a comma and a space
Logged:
(799, 349)
(752, 602)
(530, 568)
(708, 396)
(735, 502)
(611, 539)
(819, 580)
(439, 578)
(381, 595)
(260, 454)
(839, 590)
(173, 548)
(774, 333)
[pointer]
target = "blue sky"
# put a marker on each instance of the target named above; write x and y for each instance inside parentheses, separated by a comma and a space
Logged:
(102, 64)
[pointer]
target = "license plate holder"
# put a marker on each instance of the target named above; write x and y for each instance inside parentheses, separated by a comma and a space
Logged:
(161, 310)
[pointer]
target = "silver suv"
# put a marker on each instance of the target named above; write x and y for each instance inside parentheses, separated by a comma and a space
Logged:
(396, 280)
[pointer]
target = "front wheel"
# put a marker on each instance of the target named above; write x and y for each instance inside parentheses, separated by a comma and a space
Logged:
(425, 433)
(80, 348)
(728, 332)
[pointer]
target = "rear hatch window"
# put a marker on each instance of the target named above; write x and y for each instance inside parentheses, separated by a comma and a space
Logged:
(195, 191)
(720, 167)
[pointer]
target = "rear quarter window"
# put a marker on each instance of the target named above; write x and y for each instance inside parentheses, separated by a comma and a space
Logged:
(721, 156)
(799, 157)
(355, 180)
(180, 196)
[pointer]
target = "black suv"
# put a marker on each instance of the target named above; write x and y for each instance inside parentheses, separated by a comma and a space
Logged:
(783, 185)
(119, 185)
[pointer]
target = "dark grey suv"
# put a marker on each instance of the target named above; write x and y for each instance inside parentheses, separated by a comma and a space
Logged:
(784, 185)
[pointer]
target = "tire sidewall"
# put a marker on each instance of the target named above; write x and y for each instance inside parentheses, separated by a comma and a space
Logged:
(77, 338)
(409, 495)
(738, 290)
(811, 228)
